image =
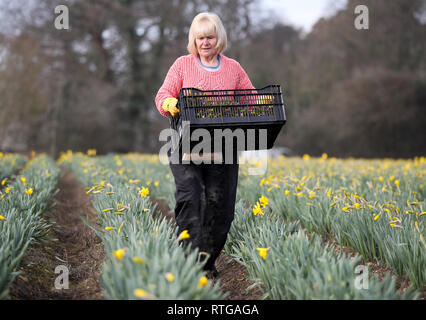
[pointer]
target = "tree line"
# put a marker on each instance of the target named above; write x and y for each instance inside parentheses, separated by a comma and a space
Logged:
(347, 92)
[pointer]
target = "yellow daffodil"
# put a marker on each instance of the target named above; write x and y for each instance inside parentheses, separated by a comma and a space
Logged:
(170, 277)
(257, 210)
(306, 157)
(119, 254)
(91, 152)
(121, 227)
(2, 218)
(264, 181)
(203, 282)
(263, 252)
(140, 293)
(29, 191)
(183, 235)
(137, 260)
(264, 201)
(109, 228)
(144, 192)
(3, 182)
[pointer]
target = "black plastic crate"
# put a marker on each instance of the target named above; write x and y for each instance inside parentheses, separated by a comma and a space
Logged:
(231, 109)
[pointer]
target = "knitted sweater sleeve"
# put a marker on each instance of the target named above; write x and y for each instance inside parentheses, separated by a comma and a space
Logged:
(170, 88)
(244, 81)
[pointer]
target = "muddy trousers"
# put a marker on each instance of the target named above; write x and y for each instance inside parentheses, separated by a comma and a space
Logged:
(205, 204)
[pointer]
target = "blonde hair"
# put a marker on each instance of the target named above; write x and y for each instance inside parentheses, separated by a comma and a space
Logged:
(203, 24)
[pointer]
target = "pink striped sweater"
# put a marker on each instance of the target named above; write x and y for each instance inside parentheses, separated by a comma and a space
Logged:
(186, 72)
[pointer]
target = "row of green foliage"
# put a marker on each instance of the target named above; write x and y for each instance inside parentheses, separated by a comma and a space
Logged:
(10, 163)
(21, 221)
(373, 206)
(297, 266)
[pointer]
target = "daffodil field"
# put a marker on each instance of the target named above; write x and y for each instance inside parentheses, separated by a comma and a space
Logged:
(9, 164)
(144, 258)
(290, 265)
(285, 223)
(21, 206)
(373, 206)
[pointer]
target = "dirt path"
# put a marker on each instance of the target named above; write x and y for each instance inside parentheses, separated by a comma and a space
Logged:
(77, 247)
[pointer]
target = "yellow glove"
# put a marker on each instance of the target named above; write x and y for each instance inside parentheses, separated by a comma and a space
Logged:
(169, 105)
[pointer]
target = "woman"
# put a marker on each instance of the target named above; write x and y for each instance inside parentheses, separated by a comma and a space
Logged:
(205, 193)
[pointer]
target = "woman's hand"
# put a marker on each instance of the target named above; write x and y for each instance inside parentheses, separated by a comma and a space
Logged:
(169, 105)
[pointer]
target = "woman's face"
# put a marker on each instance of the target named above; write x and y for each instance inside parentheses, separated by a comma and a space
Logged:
(206, 45)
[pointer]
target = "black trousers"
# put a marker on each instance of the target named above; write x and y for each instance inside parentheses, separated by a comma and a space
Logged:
(205, 204)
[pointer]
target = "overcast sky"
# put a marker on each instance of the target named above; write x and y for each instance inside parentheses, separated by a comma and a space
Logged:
(303, 13)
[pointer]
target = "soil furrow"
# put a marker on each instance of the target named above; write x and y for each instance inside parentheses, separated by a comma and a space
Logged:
(76, 247)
